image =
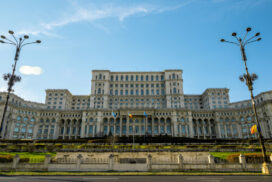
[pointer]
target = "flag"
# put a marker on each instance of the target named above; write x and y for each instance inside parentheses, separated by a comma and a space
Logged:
(113, 114)
(145, 114)
(253, 129)
(130, 115)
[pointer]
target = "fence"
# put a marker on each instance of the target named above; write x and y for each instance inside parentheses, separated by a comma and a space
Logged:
(150, 163)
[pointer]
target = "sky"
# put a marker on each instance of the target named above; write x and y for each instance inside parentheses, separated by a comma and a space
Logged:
(135, 35)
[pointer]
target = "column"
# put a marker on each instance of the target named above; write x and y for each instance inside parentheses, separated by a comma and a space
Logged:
(209, 128)
(93, 130)
(64, 129)
(127, 126)
(121, 123)
(152, 126)
(191, 126)
(56, 129)
(165, 124)
(114, 127)
(179, 134)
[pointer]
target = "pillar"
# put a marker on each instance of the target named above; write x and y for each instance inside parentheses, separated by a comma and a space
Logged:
(242, 160)
(111, 161)
(16, 160)
(78, 161)
(181, 160)
(211, 161)
(47, 161)
(149, 162)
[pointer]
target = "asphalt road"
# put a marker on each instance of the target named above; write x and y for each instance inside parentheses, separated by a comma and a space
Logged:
(136, 178)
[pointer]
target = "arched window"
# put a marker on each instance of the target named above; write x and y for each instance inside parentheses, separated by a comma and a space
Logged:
(91, 120)
(32, 120)
(25, 119)
(105, 121)
(19, 118)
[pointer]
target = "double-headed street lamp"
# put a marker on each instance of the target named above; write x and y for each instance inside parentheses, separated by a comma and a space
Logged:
(11, 78)
(249, 78)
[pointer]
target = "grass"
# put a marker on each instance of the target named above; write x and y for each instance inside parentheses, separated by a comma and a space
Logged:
(224, 155)
(124, 173)
(33, 157)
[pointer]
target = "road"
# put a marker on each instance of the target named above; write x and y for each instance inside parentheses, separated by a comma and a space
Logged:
(136, 178)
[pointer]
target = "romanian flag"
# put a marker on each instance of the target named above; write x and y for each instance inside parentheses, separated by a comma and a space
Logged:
(130, 115)
(253, 129)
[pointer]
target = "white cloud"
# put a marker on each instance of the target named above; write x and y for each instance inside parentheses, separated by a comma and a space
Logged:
(30, 70)
(92, 13)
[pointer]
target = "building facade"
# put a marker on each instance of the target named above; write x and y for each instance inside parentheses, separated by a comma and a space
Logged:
(155, 100)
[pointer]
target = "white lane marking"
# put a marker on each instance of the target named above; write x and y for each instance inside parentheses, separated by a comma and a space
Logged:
(7, 178)
(203, 178)
(102, 178)
(244, 180)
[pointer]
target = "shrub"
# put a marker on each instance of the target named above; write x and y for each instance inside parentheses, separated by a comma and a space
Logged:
(6, 158)
(24, 160)
(250, 158)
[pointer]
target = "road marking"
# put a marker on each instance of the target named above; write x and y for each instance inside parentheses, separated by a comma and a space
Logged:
(244, 180)
(6, 178)
(201, 178)
(102, 178)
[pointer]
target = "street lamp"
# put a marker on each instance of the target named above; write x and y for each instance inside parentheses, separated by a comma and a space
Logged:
(249, 78)
(12, 78)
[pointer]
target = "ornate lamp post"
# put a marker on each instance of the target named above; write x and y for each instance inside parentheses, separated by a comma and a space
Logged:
(11, 78)
(249, 79)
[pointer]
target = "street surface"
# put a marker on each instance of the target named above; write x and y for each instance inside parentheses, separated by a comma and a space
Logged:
(136, 178)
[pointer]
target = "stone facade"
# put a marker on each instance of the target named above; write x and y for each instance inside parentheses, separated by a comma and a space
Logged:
(155, 99)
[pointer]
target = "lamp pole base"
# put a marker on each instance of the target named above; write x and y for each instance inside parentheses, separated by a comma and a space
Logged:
(267, 168)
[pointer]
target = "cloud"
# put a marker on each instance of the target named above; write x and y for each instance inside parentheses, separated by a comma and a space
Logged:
(92, 13)
(30, 70)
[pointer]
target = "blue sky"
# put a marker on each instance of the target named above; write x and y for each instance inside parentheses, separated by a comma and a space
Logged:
(136, 35)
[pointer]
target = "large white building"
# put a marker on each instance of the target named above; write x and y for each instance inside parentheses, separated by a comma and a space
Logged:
(155, 99)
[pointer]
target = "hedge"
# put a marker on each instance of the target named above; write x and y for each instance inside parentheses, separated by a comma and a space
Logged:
(6, 158)
(250, 158)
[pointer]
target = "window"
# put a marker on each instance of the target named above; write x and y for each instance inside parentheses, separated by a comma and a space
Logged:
(142, 78)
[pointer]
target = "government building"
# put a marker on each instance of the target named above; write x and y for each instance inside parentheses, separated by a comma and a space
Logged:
(135, 103)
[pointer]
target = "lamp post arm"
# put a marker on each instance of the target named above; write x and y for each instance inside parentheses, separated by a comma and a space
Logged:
(248, 40)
